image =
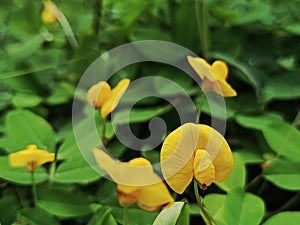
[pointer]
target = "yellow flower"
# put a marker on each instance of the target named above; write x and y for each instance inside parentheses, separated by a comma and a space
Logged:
(137, 182)
(195, 151)
(31, 158)
(213, 76)
(101, 96)
(49, 12)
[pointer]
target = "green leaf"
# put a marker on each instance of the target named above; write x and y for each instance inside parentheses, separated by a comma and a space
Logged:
(243, 208)
(25, 127)
(64, 202)
(21, 175)
(258, 122)
(237, 177)
(8, 214)
(284, 139)
(23, 100)
(103, 216)
(62, 94)
(75, 170)
(282, 87)
(170, 215)
(215, 206)
(184, 217)
(290, 218)
(293, 28)
(36, 216)
(284, 174)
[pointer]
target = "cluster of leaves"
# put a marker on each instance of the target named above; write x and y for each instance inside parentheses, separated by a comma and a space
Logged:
(39, 72)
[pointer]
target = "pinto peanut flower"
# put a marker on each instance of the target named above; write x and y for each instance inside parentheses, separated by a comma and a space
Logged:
(49, 14)
(132, 178)
(195, 151)
(31, 157)
(213, 76)
(102, 97)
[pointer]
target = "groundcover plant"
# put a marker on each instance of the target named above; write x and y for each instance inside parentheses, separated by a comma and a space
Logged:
(138, 112)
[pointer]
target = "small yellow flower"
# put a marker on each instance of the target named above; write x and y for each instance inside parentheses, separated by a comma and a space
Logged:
(101, 96)
(137, 182)
(31, 158)
(213, 76)
(49, 13)
(195, 151)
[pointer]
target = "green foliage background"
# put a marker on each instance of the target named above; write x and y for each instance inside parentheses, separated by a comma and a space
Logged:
(39, 71)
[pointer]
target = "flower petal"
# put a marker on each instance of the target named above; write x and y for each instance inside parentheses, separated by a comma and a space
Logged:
(114, 98)
(223, 88)
(177, 156)
(154, 197)
(202, 68)
(220, 69)
(126, 199)
(204, 168)
(124, 173)
(98, 94)
(31, 154)
(217, 147)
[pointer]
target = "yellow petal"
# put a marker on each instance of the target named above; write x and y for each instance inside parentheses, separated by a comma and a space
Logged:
(154, 197)
(124, 173)
(223, 88)
(98, 94)
(204, 168)
(126, 199)
(220, 69)
(202, 68)
(114, 97)
(177, 156)
(31, 154)
(217, 147)
(48, 14)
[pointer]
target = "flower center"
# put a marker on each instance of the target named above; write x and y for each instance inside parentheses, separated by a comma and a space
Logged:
(31, 165)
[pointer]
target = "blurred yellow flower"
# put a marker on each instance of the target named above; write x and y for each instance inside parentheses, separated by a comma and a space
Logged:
(213, 76)
(49, 13)
(132, 179)
(101, 96)
(31, 158)
(195, 151)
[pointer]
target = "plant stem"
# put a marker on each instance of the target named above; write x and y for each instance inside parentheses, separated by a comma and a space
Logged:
(201, 101)
(33, 186)
(254, 182)
(66, 27)
(103, 136)
(97, 17)
(202, 23)
(125, 215)
(52, 172)
(199, 201)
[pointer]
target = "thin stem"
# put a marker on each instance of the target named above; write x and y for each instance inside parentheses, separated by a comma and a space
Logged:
(202, 23)
(199, 201)
(201, 101)
(125, 215)
(254, 182)
(33, 186)
(52, 172)
(97, 17)
(103, 135)
(66, 27)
